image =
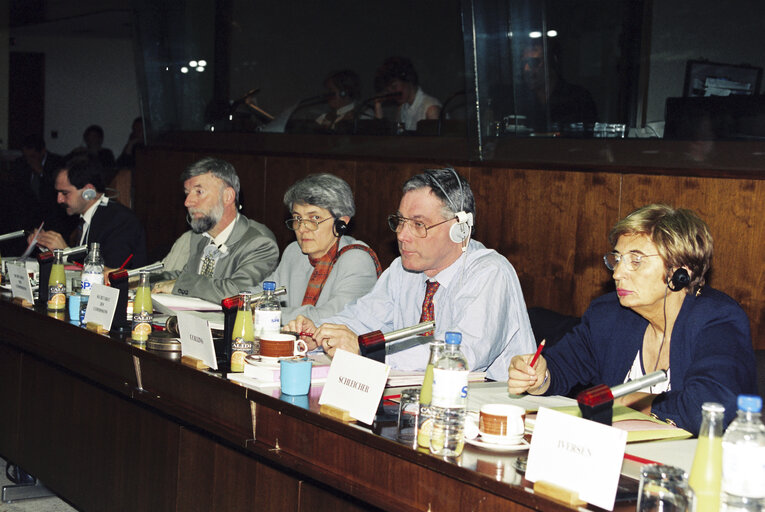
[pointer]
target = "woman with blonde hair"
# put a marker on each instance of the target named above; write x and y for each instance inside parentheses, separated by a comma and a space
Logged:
(661, 317)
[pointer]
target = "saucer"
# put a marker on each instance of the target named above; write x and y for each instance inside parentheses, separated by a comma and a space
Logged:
(494, 447)
(257, 360)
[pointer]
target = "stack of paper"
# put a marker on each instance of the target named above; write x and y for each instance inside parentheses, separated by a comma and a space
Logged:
(170, 304)
(398, 378)
(271, 373)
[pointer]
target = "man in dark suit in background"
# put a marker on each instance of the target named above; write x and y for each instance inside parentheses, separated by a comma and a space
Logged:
(80, 189)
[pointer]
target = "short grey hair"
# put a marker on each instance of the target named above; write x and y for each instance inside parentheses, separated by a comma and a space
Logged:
(448, 186)
(218, 168)
(325, 191)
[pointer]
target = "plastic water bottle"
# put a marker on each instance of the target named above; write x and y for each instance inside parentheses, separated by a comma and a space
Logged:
(268, 313)
(743, 484)
(449, 401)
(93, 270)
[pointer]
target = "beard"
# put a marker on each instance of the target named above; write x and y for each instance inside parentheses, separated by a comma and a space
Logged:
(205, 222)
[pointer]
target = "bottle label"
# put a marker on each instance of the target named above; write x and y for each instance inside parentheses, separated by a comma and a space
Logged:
(57, 296)
(267, 322)
(744, 470)
(449, 388)
(89, 279)
(240, 348)
(141, 326)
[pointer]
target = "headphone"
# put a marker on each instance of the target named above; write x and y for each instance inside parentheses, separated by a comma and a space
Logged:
(679, 280)
(339, 227)
(460, 231)
(89, 194)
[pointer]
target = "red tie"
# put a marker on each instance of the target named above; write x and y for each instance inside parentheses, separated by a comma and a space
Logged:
(427, 304)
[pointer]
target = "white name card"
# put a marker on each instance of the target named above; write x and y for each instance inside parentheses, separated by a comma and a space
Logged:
(101, 305)
(196, 339)
(355, 384)
(578, 455)
(20, 285)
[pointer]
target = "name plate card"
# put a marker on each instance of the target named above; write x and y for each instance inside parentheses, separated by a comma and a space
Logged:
(101, 305)
(196, 339)
(578, 455)
(355, 384)
(20, 285)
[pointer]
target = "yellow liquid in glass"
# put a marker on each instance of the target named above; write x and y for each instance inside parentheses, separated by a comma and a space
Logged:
(57, 287)
(706, 474)
(242, 339)
(142, 314)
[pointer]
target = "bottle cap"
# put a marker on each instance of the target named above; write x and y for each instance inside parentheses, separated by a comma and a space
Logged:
(749, 403)
(269, 286)
(713, 407)
(453, 338)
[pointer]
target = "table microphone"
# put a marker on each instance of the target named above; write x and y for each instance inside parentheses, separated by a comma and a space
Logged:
(596, 403)
(75, 250)
(371, 341)
(11, 236)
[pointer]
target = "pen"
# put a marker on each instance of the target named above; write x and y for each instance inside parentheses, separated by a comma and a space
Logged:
(536, 354)
(126, 261)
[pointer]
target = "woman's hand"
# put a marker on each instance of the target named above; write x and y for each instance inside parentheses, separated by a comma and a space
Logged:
(523, 378)
(305, 329)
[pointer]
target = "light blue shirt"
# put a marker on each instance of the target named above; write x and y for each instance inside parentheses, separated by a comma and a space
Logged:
(479, 296)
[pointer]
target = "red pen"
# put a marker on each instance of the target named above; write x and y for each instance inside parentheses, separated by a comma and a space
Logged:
(126, 262)
(536, 354)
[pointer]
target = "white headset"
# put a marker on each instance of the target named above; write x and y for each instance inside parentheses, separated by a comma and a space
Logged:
(89, 194)
(460, 231)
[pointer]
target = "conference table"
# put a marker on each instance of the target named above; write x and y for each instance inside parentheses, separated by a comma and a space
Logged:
(108, 425)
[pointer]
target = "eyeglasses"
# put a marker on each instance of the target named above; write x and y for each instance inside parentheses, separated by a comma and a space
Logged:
(396, 223)
(310, 224)
(632, 259)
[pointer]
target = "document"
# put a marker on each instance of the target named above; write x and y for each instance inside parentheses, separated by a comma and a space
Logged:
(169, 304)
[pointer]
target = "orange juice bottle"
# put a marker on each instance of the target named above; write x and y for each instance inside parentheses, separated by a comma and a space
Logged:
(706, 471)
(242, 337)
(143, 311)
(57, 283)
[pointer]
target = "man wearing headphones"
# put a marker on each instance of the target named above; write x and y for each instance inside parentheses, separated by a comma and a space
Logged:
(80, 189)
(228, 252)
(324, 269)
(441, 274)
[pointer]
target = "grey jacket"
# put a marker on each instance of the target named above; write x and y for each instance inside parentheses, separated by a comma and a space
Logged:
(251, 254)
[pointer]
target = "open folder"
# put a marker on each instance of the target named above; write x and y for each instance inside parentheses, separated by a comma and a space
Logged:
(639, 426)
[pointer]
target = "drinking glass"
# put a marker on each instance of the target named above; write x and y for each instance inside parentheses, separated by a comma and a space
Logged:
(664, 489)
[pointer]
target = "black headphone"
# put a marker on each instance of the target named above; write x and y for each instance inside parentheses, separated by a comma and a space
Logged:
(339, 227)
(460, 231)
(679, 280)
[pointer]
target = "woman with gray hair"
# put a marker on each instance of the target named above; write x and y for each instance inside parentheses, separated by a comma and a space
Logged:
(324, 269)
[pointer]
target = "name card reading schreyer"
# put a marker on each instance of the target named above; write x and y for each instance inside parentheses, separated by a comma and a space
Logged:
(101, 305)
(355, 384)
(578, 455)
(196, 338)
(20, 285)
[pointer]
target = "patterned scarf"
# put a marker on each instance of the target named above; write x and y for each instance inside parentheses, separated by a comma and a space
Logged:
(323, 266)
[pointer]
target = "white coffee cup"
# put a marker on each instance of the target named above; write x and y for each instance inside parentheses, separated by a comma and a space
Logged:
(501, 423)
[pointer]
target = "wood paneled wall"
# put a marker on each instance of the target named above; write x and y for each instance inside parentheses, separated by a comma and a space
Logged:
(550, 224)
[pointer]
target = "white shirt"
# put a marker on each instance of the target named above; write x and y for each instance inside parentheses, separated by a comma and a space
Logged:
(87, 217)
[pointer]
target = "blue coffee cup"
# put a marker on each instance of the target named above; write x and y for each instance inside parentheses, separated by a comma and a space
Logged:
(74, 308)
(295, 376)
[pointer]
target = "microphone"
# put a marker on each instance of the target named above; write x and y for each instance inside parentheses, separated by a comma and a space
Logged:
(316, 99)
(11, 236)
(75, 250)
(370, 341)
(386, 96)
(248, 94)
(596, 403)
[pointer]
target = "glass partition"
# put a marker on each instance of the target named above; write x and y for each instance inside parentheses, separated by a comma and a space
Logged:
(494, 73)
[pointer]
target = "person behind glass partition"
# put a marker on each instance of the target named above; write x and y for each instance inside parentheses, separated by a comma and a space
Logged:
(344, 90)
(661, 317)
(442, 275)
(324, 269)
(397, 75)
(546, 93)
